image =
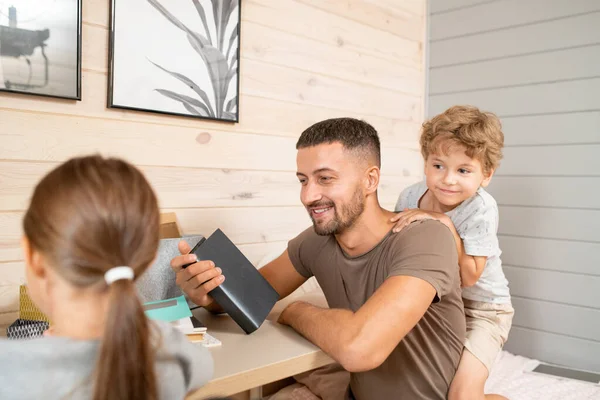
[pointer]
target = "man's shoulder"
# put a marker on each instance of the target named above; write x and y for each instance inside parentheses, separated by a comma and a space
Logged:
(426, 229)
(421, 235)
(426, 250)
(305, 249)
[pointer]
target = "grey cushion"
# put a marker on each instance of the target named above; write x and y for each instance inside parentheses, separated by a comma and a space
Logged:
(158, 282)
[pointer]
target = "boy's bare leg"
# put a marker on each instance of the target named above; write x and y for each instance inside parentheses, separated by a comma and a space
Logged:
(469, 381)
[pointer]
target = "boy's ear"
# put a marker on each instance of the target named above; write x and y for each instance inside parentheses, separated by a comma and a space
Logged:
(487, 178)
(33, 259)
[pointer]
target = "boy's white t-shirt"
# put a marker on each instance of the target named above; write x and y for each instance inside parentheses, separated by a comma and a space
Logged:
(476, 221)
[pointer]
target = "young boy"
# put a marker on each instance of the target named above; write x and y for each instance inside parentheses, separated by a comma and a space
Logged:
(462, 147)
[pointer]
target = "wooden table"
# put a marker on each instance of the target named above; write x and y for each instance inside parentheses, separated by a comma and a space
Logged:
(273, 352)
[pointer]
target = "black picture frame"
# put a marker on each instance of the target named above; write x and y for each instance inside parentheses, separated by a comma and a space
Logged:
(18, 41)
(187, 96)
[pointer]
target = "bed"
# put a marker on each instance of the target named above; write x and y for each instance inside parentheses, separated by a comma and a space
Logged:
(512, 378)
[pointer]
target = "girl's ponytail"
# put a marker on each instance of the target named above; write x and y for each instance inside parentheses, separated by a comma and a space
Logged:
(125, 366)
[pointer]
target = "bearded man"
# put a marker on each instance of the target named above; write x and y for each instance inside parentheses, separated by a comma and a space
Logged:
(395, 319)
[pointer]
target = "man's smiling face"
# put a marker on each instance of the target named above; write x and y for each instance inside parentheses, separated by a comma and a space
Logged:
(331, 186)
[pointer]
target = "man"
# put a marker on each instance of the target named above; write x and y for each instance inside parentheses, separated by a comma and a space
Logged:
(396, 318)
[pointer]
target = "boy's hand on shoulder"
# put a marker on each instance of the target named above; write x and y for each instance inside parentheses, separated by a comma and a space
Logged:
(408, 216)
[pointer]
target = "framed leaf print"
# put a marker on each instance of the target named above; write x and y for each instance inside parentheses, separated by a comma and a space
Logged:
(176, 57)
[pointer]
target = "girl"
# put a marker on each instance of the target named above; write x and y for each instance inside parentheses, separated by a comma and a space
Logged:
(91, 229)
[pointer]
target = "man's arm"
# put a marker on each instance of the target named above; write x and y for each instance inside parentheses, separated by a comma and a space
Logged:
(282, 275)
(363, 340)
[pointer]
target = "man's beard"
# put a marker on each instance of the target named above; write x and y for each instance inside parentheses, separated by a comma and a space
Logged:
(347, 216)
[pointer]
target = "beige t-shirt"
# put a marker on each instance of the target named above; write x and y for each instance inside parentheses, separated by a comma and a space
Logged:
(423, 364)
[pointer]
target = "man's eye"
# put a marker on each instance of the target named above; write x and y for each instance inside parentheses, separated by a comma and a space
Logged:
(302, 181)
(325, 179)
(437, 166)
(464, 171)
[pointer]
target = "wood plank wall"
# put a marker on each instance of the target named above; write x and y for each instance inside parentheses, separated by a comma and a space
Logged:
(302, 61)
(535, 64)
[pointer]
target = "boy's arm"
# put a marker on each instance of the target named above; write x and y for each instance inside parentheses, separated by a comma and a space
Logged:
(471, 267)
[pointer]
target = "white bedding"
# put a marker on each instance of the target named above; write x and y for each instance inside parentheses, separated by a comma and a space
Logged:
(511, 377)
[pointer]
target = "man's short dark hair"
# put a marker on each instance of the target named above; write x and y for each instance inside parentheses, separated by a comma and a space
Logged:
(353, 134)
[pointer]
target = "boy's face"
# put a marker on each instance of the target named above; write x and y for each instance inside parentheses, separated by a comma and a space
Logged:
(454, 177)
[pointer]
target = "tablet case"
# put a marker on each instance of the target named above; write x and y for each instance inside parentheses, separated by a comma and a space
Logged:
(245, 295)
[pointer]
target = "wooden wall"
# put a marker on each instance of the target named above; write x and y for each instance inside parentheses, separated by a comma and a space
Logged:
(535, 64)
(302, 61)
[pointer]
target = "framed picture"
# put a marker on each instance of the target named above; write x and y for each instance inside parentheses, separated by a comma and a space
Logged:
(40, 47)
(176, 57)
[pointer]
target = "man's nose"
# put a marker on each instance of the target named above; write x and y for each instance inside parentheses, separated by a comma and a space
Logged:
(309, 194)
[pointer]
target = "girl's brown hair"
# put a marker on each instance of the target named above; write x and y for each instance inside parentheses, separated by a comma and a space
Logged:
(87, 216)
(479, 132)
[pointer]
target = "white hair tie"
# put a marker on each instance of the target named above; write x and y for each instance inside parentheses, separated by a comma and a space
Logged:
(118, 273)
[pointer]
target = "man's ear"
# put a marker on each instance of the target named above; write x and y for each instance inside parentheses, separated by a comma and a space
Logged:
(487, 178)
(372, 179)
(33, 258)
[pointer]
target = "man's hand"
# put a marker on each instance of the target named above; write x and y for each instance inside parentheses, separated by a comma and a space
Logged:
(409, 216)
(198, 279)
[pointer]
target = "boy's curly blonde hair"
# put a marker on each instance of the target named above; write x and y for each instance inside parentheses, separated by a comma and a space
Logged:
(480, 132)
